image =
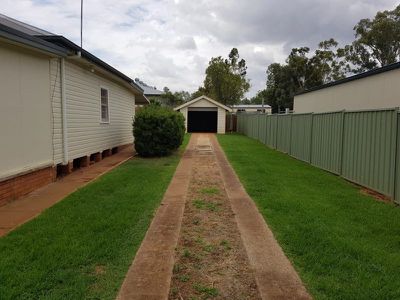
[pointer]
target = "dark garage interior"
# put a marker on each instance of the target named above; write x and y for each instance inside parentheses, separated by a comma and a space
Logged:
(202, 121)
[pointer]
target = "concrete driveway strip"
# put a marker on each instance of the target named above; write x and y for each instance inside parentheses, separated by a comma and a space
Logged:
(149, 276)
(275, 276)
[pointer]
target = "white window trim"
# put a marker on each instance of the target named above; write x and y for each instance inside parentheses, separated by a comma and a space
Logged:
(108, 105)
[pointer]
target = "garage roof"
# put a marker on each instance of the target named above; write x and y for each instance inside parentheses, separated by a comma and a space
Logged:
(203, 98)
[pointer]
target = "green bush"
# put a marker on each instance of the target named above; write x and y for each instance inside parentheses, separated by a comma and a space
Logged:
(157, 130)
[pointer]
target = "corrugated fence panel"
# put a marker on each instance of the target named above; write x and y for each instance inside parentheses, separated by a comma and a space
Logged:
(263, 128)
(283, 133)
(369, 146)
(239, 123)
(300, 146)
(272, 126)
(326, 148)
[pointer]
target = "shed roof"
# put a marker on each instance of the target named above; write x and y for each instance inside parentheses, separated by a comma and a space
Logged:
(203, 98)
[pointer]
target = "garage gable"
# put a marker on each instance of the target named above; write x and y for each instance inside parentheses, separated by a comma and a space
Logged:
(203, 101)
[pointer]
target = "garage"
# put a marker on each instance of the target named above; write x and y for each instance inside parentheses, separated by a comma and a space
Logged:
(204, 114)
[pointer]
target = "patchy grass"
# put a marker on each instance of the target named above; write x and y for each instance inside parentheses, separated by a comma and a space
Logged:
(82, 247)
(209, 191)
(207, 205)
(206, 291)
(345, 245)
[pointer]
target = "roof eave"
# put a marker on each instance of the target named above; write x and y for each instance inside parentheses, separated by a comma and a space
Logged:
(31, 41)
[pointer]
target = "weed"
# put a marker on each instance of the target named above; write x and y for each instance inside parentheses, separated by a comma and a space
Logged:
(186, 253)
(226, 245)
(206, 291)
(209, 248)
(184, 278)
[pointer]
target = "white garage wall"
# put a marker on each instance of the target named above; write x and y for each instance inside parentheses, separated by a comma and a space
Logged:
(221, 120)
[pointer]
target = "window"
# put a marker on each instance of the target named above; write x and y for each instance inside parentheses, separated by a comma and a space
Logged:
(105, 115)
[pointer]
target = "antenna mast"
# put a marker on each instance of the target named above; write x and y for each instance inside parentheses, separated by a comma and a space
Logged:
(81, 24)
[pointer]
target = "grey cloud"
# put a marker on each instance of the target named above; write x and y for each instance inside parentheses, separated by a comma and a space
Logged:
(170, 43)
(186, 43)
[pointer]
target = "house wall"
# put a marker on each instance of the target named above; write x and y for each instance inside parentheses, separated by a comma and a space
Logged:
(86, 133)
(25, 112)
(55, 95)
(376, 91)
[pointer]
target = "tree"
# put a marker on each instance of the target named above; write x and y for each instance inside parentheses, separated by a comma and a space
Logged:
(301, 72)
(377, 41)
(226, 78)
(173, 99)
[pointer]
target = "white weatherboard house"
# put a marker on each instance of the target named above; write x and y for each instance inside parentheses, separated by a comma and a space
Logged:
(204, 114)
(375, 89)
(58, 103)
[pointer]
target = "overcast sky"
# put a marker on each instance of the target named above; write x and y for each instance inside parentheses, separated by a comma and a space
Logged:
(169, 42)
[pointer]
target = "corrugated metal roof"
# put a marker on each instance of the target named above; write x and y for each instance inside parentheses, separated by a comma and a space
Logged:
(148, 90)
(21, 26)
(251, 106)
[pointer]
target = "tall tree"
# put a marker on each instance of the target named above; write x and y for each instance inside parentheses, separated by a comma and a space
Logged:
(377, 41)
(303, 71)
(226, 79)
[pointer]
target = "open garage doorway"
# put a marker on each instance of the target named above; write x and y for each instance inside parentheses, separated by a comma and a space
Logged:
(202, 119)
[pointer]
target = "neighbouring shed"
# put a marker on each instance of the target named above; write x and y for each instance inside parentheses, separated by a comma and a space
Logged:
(375, 89)
(251, 108)
(204, 114)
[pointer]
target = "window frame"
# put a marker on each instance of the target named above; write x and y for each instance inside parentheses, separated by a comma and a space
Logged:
(101, 105)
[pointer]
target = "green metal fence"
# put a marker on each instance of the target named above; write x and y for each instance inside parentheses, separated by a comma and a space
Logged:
(361, 146)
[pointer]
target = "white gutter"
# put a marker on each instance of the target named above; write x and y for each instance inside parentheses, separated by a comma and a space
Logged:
(64, 111)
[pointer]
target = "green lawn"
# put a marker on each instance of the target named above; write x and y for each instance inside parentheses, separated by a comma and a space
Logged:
(82, 247)
(345, 245)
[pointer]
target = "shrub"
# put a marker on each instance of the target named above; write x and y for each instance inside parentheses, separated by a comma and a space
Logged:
(157, 130)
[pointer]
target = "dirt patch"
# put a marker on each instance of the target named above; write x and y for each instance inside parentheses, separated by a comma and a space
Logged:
(376, 195)
(211, 262)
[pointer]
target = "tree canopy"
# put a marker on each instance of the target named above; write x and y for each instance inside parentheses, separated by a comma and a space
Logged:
(376, 44)
(225, 79)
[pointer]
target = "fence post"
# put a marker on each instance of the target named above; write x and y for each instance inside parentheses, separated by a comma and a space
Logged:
(276, 132)
(342, 143)
(396, 148)
(290, 135)
(311, 137)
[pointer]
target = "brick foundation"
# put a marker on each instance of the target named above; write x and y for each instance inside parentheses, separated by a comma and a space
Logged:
(15, 187)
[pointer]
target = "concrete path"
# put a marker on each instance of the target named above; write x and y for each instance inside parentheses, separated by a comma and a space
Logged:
(276, 278)
(27, 207)
(149, 276)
